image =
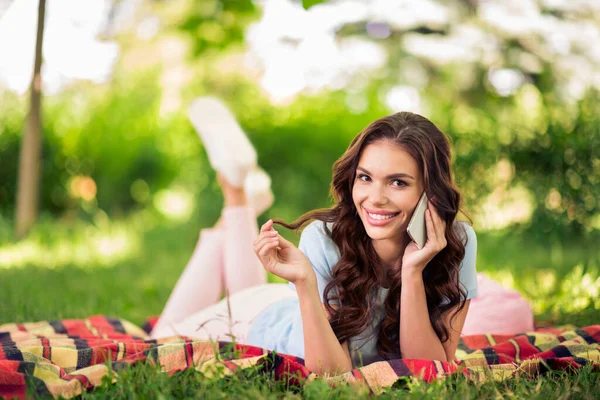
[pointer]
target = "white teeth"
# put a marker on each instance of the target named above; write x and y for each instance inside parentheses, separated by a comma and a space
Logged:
(380, 217)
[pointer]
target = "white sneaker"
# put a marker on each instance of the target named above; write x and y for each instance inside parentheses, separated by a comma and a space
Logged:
(229, 150)
(257, 187)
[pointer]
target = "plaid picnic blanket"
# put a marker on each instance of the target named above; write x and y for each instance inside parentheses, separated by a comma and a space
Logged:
(66, 357)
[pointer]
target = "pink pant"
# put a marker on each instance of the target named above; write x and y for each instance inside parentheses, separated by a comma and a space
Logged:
(224, 259)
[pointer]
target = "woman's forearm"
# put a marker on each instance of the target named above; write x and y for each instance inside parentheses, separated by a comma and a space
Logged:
(323, 353)
(417, 337)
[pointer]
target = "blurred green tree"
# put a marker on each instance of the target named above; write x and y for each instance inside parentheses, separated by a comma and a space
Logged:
(29, 162)
(217, 24)
(508, 82)
(509, 95)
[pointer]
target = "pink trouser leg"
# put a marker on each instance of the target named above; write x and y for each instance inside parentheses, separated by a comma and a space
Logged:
(241, 268)
(223, 321)
(221, 255)
(199, 286)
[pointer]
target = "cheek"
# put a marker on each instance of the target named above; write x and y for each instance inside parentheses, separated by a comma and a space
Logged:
(358, 194)
(406, 201)
(354, 193)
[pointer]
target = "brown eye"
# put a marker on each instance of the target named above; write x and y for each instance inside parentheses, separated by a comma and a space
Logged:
(399, 183)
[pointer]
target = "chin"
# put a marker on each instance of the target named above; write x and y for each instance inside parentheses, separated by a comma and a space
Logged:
(380, 233)
(377, 234)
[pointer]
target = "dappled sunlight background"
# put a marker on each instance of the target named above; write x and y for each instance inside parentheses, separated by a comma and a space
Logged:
(82, 246)
(126, 184)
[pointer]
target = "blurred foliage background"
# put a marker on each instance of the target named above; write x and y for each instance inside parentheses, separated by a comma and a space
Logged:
(516, 85)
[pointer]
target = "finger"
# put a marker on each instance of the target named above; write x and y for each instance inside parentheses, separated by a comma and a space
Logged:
(441, 225)
(263, 240)
(265, 237)
(284, 243)
(267, 226)
(266, 234)
(431, 232)
(436, 215)
(264, 250)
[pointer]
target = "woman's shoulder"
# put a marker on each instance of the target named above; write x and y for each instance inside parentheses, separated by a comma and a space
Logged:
(466, 233)
(315, 242)
(468, 267)
(321, 251)
(317, 228)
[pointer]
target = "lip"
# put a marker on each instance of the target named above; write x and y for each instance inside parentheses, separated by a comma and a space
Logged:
(379, 222)
(379, 212)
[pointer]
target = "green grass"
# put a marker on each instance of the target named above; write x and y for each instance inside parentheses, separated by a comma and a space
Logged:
(148, 382)
(127, 269)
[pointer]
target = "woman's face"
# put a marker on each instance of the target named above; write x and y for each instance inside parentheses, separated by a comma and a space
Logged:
(387, 187)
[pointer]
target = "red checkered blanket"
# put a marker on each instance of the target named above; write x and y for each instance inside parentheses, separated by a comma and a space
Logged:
(66, 357)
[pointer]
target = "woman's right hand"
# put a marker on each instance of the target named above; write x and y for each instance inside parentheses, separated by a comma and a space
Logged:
(280, 257)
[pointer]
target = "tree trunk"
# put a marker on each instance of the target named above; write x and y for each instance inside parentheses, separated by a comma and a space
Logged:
(28, 186)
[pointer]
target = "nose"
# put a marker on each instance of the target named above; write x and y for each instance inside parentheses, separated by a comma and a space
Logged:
(377, 195)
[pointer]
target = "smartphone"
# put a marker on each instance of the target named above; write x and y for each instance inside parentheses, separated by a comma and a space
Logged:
(417, 230)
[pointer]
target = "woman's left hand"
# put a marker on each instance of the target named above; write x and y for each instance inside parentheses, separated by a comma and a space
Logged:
(415, 259)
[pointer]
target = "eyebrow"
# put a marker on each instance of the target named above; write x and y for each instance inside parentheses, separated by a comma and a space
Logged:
(392, 176)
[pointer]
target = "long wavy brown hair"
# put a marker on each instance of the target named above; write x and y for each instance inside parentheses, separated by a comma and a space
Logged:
(358, 275)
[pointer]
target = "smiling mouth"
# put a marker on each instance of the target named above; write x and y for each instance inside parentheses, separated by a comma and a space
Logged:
(381, 217)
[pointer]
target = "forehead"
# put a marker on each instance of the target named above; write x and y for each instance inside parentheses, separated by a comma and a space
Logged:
(385, 158)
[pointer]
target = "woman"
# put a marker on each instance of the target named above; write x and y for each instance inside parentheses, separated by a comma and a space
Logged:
(363, 291)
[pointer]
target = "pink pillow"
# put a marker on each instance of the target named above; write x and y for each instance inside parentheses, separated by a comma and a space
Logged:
(497, 310)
